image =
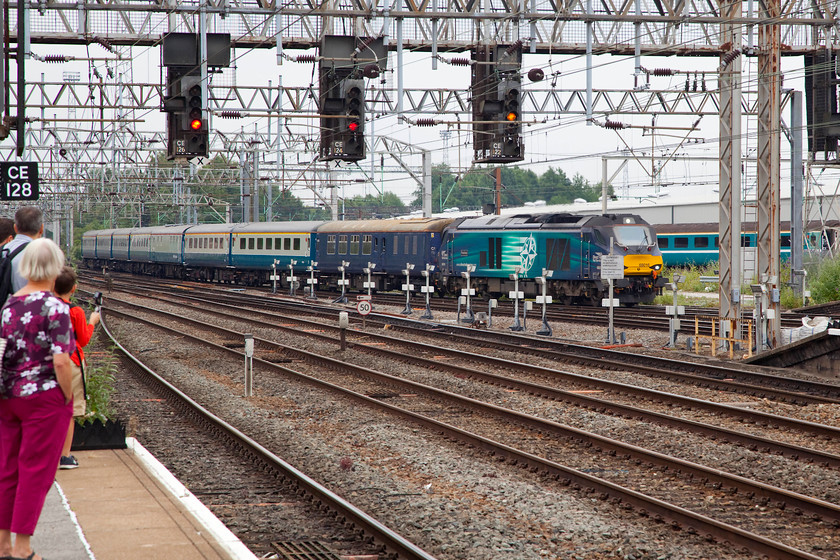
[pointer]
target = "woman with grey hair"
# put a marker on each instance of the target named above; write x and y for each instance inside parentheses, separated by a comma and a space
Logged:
(36, 395)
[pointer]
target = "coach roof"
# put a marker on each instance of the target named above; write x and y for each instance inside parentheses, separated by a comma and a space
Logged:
(415, 225)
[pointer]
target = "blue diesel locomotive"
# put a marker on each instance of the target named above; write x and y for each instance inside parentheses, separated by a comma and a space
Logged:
(494, 247)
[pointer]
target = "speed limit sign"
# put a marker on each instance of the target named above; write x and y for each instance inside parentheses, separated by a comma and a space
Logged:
(364, 307)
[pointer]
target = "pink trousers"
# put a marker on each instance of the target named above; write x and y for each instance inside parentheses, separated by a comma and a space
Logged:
(32, 432)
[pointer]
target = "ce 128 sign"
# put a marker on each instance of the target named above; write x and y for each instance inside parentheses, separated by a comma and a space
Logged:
(19, 180)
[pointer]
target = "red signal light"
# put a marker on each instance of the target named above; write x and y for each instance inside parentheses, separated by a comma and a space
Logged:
(353, 126)
(195, 124)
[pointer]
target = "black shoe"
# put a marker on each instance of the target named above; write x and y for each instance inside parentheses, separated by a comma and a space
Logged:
(67, 463)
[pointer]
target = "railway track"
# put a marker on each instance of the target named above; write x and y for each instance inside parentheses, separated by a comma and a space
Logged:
(529, 428)
(276, 479)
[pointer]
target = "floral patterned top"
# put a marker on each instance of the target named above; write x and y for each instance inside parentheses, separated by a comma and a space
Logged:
(36, 327)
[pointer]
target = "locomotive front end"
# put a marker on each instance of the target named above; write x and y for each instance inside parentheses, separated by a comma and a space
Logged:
(636, 241)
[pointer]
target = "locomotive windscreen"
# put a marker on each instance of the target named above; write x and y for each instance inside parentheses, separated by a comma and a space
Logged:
(633, 236)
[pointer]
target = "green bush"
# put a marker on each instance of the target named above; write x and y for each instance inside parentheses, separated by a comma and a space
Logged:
(824, 281)
(99, 383)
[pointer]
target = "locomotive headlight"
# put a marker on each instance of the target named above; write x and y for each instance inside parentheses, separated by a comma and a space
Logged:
(656, 267)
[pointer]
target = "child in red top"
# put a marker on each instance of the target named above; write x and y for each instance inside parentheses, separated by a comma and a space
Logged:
(65, 287)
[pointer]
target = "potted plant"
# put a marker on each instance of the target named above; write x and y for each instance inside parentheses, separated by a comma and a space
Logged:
(96, 429)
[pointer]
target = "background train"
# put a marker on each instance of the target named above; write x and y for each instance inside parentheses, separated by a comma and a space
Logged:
(699, 244)
(494, 247)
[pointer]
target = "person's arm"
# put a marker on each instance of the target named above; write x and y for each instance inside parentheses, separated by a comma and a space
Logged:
(64, 374)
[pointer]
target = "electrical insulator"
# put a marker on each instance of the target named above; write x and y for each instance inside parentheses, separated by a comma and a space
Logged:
(536, 74)
(55, 58)
(513, 48)
(612, 125)
(230, 114)
(308, 58)
(103, 43)
(459, 61)
(730, 56)
(664, 72)
(424, 122)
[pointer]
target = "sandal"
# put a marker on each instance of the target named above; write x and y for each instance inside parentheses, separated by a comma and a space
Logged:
(30, 557)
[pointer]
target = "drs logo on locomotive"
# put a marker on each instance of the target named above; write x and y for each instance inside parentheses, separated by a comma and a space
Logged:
(18, 180)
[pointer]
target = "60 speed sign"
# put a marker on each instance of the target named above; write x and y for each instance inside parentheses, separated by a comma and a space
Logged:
(364, 307)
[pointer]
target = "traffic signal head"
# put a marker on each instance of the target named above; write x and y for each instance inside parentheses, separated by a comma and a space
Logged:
(188, 134)
(354, 122)
(511, 129)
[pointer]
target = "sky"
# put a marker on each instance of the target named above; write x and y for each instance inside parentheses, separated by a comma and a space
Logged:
(562, 141)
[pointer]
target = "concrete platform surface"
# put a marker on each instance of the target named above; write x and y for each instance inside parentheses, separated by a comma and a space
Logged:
(124, 505)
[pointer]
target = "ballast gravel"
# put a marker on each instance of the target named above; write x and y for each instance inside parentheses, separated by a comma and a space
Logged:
(456, 502)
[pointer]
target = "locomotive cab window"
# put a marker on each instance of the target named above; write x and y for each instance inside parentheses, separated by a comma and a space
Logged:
(631, 236)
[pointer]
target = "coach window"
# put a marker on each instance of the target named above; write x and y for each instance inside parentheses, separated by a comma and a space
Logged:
(277, 243)
(717, 242)
(190, 244)
(331, 244)
(681, 243)
(366, 244)
(251, 243)
(259, 243)
(268, 243)
(354, 244)
(746, 241)
(242, 243)
(701, 242)
(296, 243)
(785, 241)
(287, 243)
(407, 240)
(414, 244)
(663, 242)
(396, 244)
(342, 244)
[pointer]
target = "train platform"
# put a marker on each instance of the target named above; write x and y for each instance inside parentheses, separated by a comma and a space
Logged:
(124, 505)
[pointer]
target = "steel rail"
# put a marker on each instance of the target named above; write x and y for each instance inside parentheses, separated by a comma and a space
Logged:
(647, 505)
(747, 440)
(753, 382)
(392, 540)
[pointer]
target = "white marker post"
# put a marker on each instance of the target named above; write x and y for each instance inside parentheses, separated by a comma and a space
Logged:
(312, 281)
(612, 268)
(292, 278)
(274, 277)
(369, 284)
(428, 290)
(469, 316)
(344, 282)
(544, 299)
(516, 295)
(408, 287)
